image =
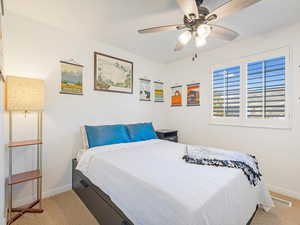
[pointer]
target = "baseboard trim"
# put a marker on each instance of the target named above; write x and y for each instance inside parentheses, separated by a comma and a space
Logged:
(284, 191)
(58, 190)
(45, 194)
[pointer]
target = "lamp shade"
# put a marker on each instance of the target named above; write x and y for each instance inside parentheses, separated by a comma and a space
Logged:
(24, 94)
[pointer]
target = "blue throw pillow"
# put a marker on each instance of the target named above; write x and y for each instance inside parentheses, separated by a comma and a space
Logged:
(141, 132)
(106, 135)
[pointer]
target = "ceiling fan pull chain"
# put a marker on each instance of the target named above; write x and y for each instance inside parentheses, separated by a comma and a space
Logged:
(195, 57)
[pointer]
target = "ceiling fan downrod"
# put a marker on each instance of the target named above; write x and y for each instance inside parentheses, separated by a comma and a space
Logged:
(199, 2)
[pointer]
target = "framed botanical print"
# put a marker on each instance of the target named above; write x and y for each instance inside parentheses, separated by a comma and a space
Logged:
(193, 94)
(176, 98)
(112, 74)
(71, 78)
(145, 90)
(158, 91)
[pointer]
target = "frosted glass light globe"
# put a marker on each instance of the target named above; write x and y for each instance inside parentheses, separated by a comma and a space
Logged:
(185, 37)
(203, 30)
(200, 42)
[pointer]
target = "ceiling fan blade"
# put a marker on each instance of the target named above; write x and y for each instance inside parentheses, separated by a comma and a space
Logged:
(230, 8)
(162, 28)
(188, 7)
(223, 33)
(178, 47)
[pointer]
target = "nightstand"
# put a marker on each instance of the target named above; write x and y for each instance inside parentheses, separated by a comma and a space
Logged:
(168, 135)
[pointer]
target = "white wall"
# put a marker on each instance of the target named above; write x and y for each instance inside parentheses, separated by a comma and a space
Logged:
(2, 152)
(2, 156)
(277, 150)
(34, 50)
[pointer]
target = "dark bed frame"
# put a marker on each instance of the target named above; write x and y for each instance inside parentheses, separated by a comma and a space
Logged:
(99, 203)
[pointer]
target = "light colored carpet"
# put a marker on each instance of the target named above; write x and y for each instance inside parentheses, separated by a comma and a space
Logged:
(67, 209)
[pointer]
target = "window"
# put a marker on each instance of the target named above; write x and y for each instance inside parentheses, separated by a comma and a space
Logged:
(266, 88)
(252, 91)
(226, 92)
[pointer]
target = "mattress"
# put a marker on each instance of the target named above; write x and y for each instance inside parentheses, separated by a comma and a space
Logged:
(152, 185)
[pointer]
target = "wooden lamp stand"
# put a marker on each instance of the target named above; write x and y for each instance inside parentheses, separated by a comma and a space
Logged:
(25, 176)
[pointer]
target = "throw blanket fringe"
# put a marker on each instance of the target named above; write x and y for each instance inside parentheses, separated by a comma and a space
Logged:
(251, 172)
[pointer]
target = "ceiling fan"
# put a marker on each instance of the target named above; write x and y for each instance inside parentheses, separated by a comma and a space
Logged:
(196, 22)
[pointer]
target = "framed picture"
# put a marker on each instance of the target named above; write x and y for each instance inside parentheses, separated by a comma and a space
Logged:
(71, 78)
(193, 94)
(176, 99)
(158, 91)
(112, 74)
(145, 90)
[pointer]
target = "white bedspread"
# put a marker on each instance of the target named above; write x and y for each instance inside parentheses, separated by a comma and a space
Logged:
(152, 185)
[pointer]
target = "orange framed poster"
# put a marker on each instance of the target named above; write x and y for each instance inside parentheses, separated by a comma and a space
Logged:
(176, 99)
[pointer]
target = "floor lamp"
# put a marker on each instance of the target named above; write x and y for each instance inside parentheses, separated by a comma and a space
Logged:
(24, 95)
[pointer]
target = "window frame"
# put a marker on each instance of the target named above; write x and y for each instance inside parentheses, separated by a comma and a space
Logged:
(243, 120)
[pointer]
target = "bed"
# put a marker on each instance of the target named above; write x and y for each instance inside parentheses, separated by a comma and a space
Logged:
(148, 183)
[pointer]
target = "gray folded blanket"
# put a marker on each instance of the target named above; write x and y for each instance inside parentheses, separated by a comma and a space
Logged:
(221, 158)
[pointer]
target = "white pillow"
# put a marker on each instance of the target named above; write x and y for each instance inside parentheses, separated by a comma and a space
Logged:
(85, 142)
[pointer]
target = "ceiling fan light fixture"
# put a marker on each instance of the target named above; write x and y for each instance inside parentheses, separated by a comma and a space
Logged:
(197, 20)
(200, 41)
(185, 37)
(203, 30)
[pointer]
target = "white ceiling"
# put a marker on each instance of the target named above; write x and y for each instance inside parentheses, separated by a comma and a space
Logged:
(116, 21)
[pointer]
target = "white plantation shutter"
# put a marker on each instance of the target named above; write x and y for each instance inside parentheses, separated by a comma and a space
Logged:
(253, 91)
(226, 92)
(266, 94)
